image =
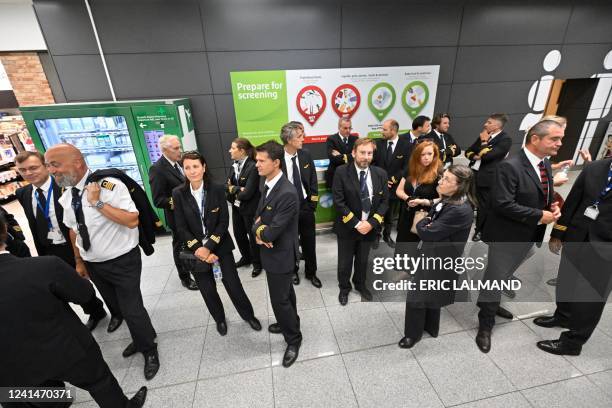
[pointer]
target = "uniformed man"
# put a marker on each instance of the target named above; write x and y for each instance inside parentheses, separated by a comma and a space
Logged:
(276, 231)
(361, 197)
(339, 148)
(40, 202)
(439, 135)
(103, 220)
(164, 175)
(585, 233)
(392, 154)
(300, 170)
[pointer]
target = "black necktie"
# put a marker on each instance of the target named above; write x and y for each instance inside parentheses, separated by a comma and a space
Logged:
(77, 206)
(42, 224)
(296, 178)
(366, 204)
(389, 152)
(178, 171)
(345, 140)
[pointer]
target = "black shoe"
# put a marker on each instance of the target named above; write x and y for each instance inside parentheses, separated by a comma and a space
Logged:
(130, 350)
(92, 322)
(296, 279)
(138, 399)
(432, 333)
(407, 342)
(476, 237)
(483, 340)
(505, 313)
(189, 284)
(550, 321)
(222, 328)
(376, 242)
(343, 298)
(114, 324)
(291, 354)
(558, 347)
(389, 241)
(509, 293)
(254, 323)
(256, 272)
(316, 282)
(242, 262)
(151, 364)
(365, 294)
(275, 328)
(552, 282)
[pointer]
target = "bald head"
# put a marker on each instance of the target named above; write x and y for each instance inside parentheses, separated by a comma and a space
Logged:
(66, 163)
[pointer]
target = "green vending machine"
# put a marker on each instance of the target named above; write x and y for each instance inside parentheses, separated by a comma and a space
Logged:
(121, 135)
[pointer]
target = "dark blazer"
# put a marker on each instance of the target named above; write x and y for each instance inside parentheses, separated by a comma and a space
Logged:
(308, 175)
(517, 201)
(574, 226)
(15, 242)
(164, 178)
(249, 179)
(490, 155)
(216, 219)
(399, 160)
(278, 224)
(334, 142)
(347, 201)
(445, 155)
(43, 336)
(24, 196)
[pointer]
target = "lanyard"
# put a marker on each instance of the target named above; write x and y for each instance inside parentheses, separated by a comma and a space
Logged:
(45, 210)
(606, 189)
(202, 209)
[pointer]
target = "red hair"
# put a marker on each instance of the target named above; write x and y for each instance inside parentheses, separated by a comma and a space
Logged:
(424, 174)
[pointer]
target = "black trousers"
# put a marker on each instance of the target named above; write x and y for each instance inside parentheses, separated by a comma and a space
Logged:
(483, 195)
(118, 281)
(90, 374)
(418, 319)
(282, 297)
(352, 253)
(183, 273)
(390, 214)
(245, 239)
(504, 259)
(308, 242)
(95, 307)
(208, 288)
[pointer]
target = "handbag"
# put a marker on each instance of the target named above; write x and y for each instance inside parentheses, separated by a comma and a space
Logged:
(418, 216)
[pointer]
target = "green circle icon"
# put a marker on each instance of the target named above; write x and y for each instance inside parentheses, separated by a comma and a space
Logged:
(381, 100)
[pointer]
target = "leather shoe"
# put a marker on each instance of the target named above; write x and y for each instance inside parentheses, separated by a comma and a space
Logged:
(365, 294)
(476, 237)
(483, 340)
(256, 272)
(558, 347)
(242, 262)
(275, 328)
(222, 328)
(139, 398)
(509, 293)
(189, 284)
(151, 364)
(550, 321)
(296, 279)
(343, 298)
(505, 313)
(254, 323)
(92, 322)
(114, 324)
(130, 350)
(407, 342)
(389, 241)
(291, 354)
(316, 282)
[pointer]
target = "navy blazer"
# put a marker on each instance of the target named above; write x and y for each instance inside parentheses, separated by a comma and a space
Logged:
(249, 179)
(334, 142)
(163, 178)
(308, 176)
(490, 154)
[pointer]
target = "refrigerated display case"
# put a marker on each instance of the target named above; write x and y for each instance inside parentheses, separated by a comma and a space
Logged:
(122, 135)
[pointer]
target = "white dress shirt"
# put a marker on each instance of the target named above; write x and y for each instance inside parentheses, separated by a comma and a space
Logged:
(270, 184)
(173, 163)
(109, 240)
(55, 235)
(365, 215)
(197, 195)
(534, 160)
(289, 167)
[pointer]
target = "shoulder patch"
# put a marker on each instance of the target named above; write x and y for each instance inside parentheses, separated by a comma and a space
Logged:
(107, 185)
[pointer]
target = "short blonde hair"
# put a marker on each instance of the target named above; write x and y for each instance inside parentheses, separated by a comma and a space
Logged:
(164, 141)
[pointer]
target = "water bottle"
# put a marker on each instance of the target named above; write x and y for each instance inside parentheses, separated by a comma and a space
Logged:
(217, 274)
(565, 170)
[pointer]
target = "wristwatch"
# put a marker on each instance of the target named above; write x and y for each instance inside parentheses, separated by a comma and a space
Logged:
(99, 204)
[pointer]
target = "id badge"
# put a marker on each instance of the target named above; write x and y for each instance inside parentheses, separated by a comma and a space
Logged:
(591, 212)
(54, 235)
(237, 203)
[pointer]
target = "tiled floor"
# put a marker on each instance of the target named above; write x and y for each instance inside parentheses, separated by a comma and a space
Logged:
(349, 355)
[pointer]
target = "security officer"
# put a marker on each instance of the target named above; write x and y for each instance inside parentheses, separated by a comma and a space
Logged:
(39, 200)
(585, 232)
(164, 175)
(103, 220)
(339, 148)
(392, 154)
(299, 168)
(361, 198)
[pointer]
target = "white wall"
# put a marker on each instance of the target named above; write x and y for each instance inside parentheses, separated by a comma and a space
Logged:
(19, 30)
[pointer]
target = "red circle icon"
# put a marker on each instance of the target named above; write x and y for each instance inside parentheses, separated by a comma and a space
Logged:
(346, 100)
(311, 103)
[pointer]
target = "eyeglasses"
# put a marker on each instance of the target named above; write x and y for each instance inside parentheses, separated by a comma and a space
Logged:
(446, 179)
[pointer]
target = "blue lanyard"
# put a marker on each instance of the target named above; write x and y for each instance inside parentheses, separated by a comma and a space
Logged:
(47, 204)
(606, 189)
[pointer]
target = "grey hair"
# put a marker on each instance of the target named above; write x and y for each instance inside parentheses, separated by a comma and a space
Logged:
(164, 141)
(288, 132)
(343, 119)
(541, 129)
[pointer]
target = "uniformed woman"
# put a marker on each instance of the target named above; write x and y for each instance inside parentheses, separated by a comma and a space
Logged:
(202, 219)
